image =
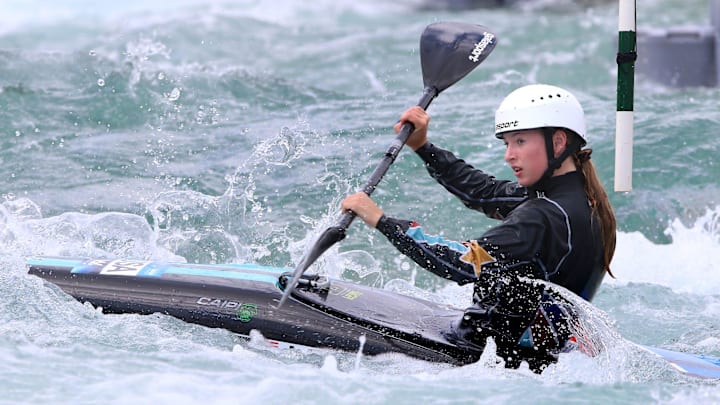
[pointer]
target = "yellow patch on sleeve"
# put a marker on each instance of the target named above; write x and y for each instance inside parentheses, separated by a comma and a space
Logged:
(477, 256)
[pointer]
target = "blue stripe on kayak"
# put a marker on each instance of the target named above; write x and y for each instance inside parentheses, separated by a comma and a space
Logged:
(264, 278)
(53, 261)
(694, 364)
(252, 272)
(251, 267)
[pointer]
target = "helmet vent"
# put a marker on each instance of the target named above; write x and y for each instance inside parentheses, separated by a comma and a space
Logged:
(548, 96)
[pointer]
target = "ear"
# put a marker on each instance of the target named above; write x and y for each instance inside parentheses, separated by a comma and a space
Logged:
(560, 141)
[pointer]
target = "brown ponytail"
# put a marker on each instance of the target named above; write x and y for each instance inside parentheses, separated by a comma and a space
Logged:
(600, 204)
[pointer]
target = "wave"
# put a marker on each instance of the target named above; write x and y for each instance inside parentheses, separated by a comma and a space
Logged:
(689, 263)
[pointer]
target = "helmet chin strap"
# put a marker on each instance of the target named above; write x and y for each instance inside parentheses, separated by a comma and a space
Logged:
(554, 163)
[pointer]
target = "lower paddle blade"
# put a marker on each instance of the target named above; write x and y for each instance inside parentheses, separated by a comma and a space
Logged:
(328, 238)
(450, 50)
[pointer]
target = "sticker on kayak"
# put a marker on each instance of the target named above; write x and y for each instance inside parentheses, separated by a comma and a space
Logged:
(118, 267)
(345, 292)
(123, 267)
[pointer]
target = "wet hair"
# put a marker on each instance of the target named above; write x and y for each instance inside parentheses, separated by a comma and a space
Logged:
(599, 201)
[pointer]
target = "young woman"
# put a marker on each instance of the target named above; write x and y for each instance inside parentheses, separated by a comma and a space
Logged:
(557, 226)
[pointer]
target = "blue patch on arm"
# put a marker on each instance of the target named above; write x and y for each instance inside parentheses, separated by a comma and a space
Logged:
(417, 234)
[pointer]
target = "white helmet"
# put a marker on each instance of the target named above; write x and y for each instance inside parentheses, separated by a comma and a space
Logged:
(539, 106)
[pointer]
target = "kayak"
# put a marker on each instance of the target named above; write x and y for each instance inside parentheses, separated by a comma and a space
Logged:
(321, 312)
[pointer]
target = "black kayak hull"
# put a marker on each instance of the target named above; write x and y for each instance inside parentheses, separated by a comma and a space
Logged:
(243, 297)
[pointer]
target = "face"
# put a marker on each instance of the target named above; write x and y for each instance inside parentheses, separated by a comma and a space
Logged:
(525, 153)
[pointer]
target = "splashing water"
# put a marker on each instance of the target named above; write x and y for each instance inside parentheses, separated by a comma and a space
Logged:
(230, 132)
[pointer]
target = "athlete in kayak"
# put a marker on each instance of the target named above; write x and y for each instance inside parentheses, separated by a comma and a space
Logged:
(557, 226)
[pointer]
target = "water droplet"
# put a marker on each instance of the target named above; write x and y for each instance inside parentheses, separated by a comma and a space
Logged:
(101, 82)
(174, 94)
(161, 76)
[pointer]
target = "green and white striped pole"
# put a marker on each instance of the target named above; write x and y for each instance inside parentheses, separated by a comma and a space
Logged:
(627, 53)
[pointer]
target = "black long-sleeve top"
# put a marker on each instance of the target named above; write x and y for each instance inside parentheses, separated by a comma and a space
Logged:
(548, 233)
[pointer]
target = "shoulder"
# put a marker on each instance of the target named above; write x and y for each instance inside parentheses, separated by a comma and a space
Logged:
(540, 209)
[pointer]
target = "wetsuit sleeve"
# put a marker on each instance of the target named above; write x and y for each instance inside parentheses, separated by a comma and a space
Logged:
(475, 188)
(445, 258)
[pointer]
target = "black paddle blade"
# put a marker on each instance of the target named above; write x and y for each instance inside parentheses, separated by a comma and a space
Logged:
(450, 50)
(328, 238)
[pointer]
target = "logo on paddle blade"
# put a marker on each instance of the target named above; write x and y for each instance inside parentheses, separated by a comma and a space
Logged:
(480, 47)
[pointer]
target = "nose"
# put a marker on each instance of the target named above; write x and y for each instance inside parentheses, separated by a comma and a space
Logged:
(509, 154)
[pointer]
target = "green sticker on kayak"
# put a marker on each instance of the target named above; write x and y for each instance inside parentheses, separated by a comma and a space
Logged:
(246, 312)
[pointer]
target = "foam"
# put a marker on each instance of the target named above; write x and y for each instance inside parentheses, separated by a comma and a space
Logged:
(687, 264)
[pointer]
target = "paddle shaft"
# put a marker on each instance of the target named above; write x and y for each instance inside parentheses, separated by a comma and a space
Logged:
(390, 155)
(337, 233)
(448, 52)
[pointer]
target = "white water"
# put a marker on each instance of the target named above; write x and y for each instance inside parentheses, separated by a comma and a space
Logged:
(241, 153)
